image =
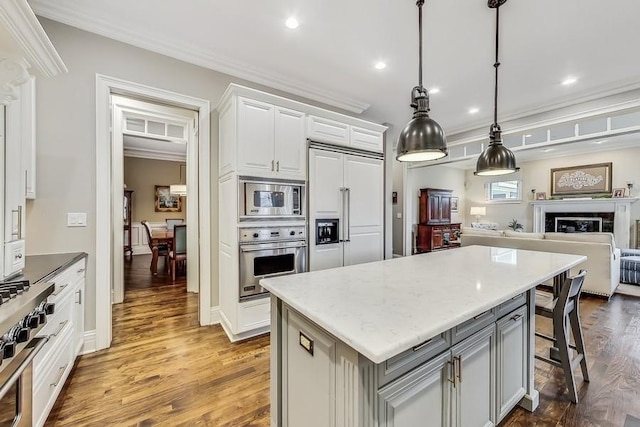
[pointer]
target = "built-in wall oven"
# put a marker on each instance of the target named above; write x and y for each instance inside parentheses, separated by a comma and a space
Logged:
(268, 252)
(260, 198)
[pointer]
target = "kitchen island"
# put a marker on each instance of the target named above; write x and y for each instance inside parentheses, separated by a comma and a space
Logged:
(444, 338)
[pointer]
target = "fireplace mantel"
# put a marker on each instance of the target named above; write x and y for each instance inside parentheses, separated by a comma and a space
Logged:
(621, 207)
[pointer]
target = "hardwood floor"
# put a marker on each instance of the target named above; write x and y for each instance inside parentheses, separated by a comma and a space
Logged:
(163, 369)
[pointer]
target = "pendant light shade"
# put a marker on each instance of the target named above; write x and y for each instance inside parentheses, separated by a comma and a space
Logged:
(496, 159)
(422, 138)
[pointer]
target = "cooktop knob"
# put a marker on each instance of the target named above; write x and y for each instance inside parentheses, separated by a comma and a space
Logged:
(292, 233)
(256, 235)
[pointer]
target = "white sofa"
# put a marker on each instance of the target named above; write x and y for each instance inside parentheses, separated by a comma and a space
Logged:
(603, 258)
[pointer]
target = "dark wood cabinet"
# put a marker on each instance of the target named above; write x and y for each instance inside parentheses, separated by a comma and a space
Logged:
(128, 196)
(437, 237)
(435, 231)
(435, 206)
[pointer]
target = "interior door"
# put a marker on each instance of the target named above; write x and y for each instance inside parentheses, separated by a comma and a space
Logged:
(325, 202)
(363, 178)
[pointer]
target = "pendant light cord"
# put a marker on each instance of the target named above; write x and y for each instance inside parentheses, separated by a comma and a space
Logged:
(420, 3)
(496, 65)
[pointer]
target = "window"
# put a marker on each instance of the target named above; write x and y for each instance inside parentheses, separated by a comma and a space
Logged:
(504, 191)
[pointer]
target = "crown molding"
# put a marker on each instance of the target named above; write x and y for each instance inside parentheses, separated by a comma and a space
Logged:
(192, 55)
(154, 155)
(21, 23)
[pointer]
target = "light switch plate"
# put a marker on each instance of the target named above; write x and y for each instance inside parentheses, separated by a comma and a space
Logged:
(76, 219)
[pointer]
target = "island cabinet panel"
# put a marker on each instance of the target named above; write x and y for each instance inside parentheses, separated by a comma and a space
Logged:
(511, 337)
(309, 391)
(420, 398)
(474, 371)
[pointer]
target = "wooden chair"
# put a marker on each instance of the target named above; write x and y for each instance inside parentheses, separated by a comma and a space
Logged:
(163, 248)
(178, 253)
(565, 314)
(172, 222)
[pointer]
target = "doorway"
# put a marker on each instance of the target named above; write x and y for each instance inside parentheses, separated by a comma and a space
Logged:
(116, 100)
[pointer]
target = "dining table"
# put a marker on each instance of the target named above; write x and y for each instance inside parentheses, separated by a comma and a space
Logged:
(159, 237)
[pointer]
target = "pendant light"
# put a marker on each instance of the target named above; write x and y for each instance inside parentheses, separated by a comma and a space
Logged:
(422, 138)
(496, 159)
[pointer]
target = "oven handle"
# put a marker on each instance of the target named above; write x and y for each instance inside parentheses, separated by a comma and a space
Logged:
(38, 343)
(267, 247)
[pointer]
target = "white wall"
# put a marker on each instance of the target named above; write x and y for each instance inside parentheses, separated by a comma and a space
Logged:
(66, 132)
(537, 175)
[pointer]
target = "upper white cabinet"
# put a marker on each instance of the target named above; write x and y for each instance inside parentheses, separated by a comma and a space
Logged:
(334, 132)
(266, 135)
(270, 140)
(28, 123)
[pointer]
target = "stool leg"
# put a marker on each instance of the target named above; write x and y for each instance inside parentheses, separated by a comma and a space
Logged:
(560, 328)
(576, 326)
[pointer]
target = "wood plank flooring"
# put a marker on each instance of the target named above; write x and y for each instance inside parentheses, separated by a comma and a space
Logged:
(163, 369)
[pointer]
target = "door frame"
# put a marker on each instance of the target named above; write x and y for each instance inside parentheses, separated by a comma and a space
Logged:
(105, 249)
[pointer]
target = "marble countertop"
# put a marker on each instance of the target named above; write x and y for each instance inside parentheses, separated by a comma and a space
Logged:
(383, 308)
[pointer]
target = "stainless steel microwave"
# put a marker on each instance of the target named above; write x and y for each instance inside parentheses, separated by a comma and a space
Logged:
(262, 199)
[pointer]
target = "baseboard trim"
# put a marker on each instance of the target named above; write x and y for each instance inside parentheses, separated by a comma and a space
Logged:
(244, 335)
(215, 318)
(89, 345)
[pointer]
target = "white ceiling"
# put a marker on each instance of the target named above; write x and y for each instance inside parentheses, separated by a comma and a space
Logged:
(330, 57)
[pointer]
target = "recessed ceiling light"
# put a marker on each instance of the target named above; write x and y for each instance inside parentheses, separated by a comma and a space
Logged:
(380, 65)
(600, 141)
(473, 110)
(569, 81)
(292, 23)
(546, 150)
(433, 90)
(528, 135)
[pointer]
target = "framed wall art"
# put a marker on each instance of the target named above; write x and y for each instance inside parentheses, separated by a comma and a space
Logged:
(581, 180)
(618, 193)
(454, 204)
(165, 201)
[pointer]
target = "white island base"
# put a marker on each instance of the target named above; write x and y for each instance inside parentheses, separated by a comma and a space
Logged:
(340, 358)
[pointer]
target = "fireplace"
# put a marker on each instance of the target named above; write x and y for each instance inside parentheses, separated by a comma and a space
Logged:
(615, 214)
(578, 222)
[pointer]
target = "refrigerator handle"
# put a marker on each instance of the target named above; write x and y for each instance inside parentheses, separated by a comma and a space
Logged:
(347, 215)
(341, 230)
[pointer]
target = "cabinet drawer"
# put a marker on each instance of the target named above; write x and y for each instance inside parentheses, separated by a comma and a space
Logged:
(254, 314)
(472, 326)
(49, 380)
(409, 359)
(65, 280)
(325, 130)
(14, 257)
(510, 305)
(55, 329)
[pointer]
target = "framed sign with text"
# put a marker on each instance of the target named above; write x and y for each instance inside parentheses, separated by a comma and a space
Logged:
(581, 180)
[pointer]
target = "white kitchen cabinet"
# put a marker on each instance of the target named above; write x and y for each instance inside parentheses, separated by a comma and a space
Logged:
(65, 329)
(511, 340)
(365, 139)
(419, 398)
(28, 121)
(255, 137)
(329, 131)
(270, 140)
(14, 190)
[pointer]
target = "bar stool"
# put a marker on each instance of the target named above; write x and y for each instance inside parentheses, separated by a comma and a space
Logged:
(564, 312)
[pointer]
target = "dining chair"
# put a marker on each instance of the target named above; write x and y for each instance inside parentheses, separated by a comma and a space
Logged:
(163, 248)
(178, 252)
(171, 222)
(564, 311)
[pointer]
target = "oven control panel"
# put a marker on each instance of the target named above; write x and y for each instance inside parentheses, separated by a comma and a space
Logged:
(272, 234)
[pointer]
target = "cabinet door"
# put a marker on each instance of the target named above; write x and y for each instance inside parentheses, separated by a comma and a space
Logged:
(325, 130)
(419, 398)
(437, 238)
(433, 209)
(512, 360)
(474, 396)
(445, 209)
(365, 139)
(290, 144)
(28, 120)
(255, 138)
(363, 179)
(325, 202)
(308, 391)
(78, 316)
(14, 188)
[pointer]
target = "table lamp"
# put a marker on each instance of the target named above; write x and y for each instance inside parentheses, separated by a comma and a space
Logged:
(478, 211)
